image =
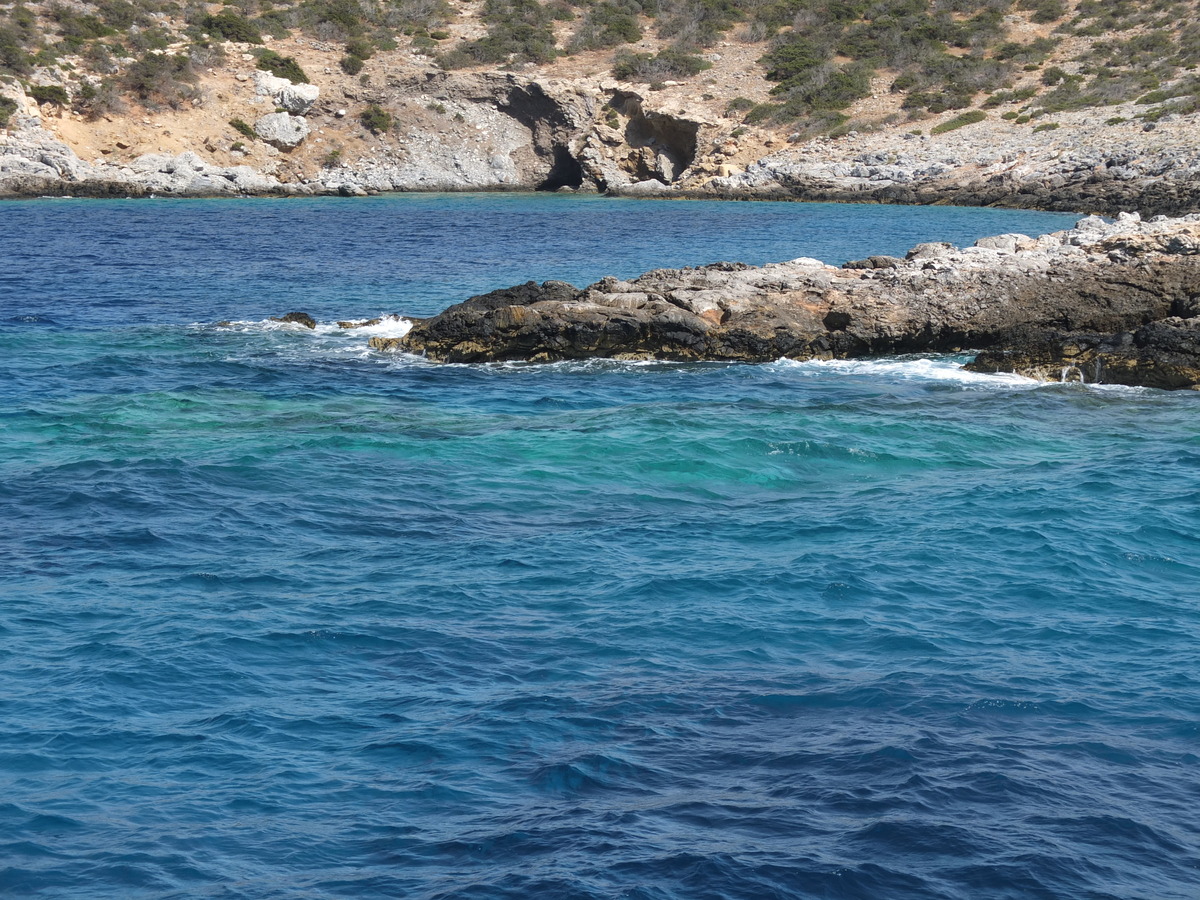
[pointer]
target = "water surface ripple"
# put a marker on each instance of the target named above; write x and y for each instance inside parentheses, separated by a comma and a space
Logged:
(281, 617)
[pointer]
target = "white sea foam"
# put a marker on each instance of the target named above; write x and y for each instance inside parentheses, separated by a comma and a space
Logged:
(388, 326)
(391, 326)
(947, 370)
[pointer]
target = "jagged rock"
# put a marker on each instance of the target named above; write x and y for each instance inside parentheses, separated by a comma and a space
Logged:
(282, 130)
(296, 318)
(1163, 354)
(873, 262)
(952, 300)
(32, 162)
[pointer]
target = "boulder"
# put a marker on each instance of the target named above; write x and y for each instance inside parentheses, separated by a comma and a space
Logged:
(296, 318)
(282, 130)
(1005, 243)
(296, 99)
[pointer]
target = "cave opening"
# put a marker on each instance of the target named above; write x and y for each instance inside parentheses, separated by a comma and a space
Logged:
(565, 172)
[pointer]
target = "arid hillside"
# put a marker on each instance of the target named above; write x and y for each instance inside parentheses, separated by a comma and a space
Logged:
(684, 95)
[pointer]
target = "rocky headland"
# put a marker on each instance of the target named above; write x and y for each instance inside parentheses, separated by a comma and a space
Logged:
(1115, 303)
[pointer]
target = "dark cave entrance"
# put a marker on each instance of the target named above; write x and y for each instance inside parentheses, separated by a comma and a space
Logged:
(566, 171)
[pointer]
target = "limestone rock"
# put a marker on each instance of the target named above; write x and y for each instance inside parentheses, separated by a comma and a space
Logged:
(282, 130)
(296, 99)
(1164, 354)
(1133, 321)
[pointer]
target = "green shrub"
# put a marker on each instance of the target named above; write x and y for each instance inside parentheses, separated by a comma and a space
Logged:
(1045, 126)
(276, 23)
(8, 106)
(120, 14)
(150, 39)
(376, 119)
(360, 47)
(1054, 75)
(334, 19)
(1044, 11)
(1010, 115)
(231, 27)
(669, 62)
(697, 23)
(518, 30)
(237, 147)
(161, 78)
(15, 44)
(1115, 120)
(351, 65)
(93, 101)
(282, 66)
(1035, 51)
(240, 126)
(967, 118)
(762, 112)
(606, 25)
(1016, 96)
(76, 27)
(837, 90)
(49, 93)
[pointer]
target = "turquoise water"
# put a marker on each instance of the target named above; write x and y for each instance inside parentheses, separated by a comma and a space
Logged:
(283, 617)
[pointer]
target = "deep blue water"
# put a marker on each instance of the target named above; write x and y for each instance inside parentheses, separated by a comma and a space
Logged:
(283, 617)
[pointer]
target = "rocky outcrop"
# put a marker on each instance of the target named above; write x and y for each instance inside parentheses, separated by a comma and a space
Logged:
(1162, 354)
(1099, 281)
(282, 130)
(1089, 167)
(297, 99)
(34, 163)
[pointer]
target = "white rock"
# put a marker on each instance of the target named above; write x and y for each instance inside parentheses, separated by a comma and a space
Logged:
(282, 130)
(297, 99)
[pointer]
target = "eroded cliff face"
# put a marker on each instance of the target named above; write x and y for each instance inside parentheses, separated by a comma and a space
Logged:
(1126, 293)
(451, 131)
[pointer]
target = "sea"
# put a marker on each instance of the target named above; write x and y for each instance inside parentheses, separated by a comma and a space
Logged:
(285, 617)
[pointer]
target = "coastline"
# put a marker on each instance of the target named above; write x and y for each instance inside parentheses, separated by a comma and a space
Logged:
(513, 133)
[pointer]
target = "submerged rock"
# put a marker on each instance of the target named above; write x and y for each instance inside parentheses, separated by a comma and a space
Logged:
(1131, 288)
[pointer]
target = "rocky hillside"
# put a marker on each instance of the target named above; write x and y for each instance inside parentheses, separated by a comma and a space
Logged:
(1051, 103)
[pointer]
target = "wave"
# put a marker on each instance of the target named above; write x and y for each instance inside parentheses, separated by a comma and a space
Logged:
(943, 369)
(383, 325)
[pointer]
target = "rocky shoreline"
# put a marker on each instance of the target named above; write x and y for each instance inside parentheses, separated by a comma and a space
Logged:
(1115, 303)
(505, 132)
